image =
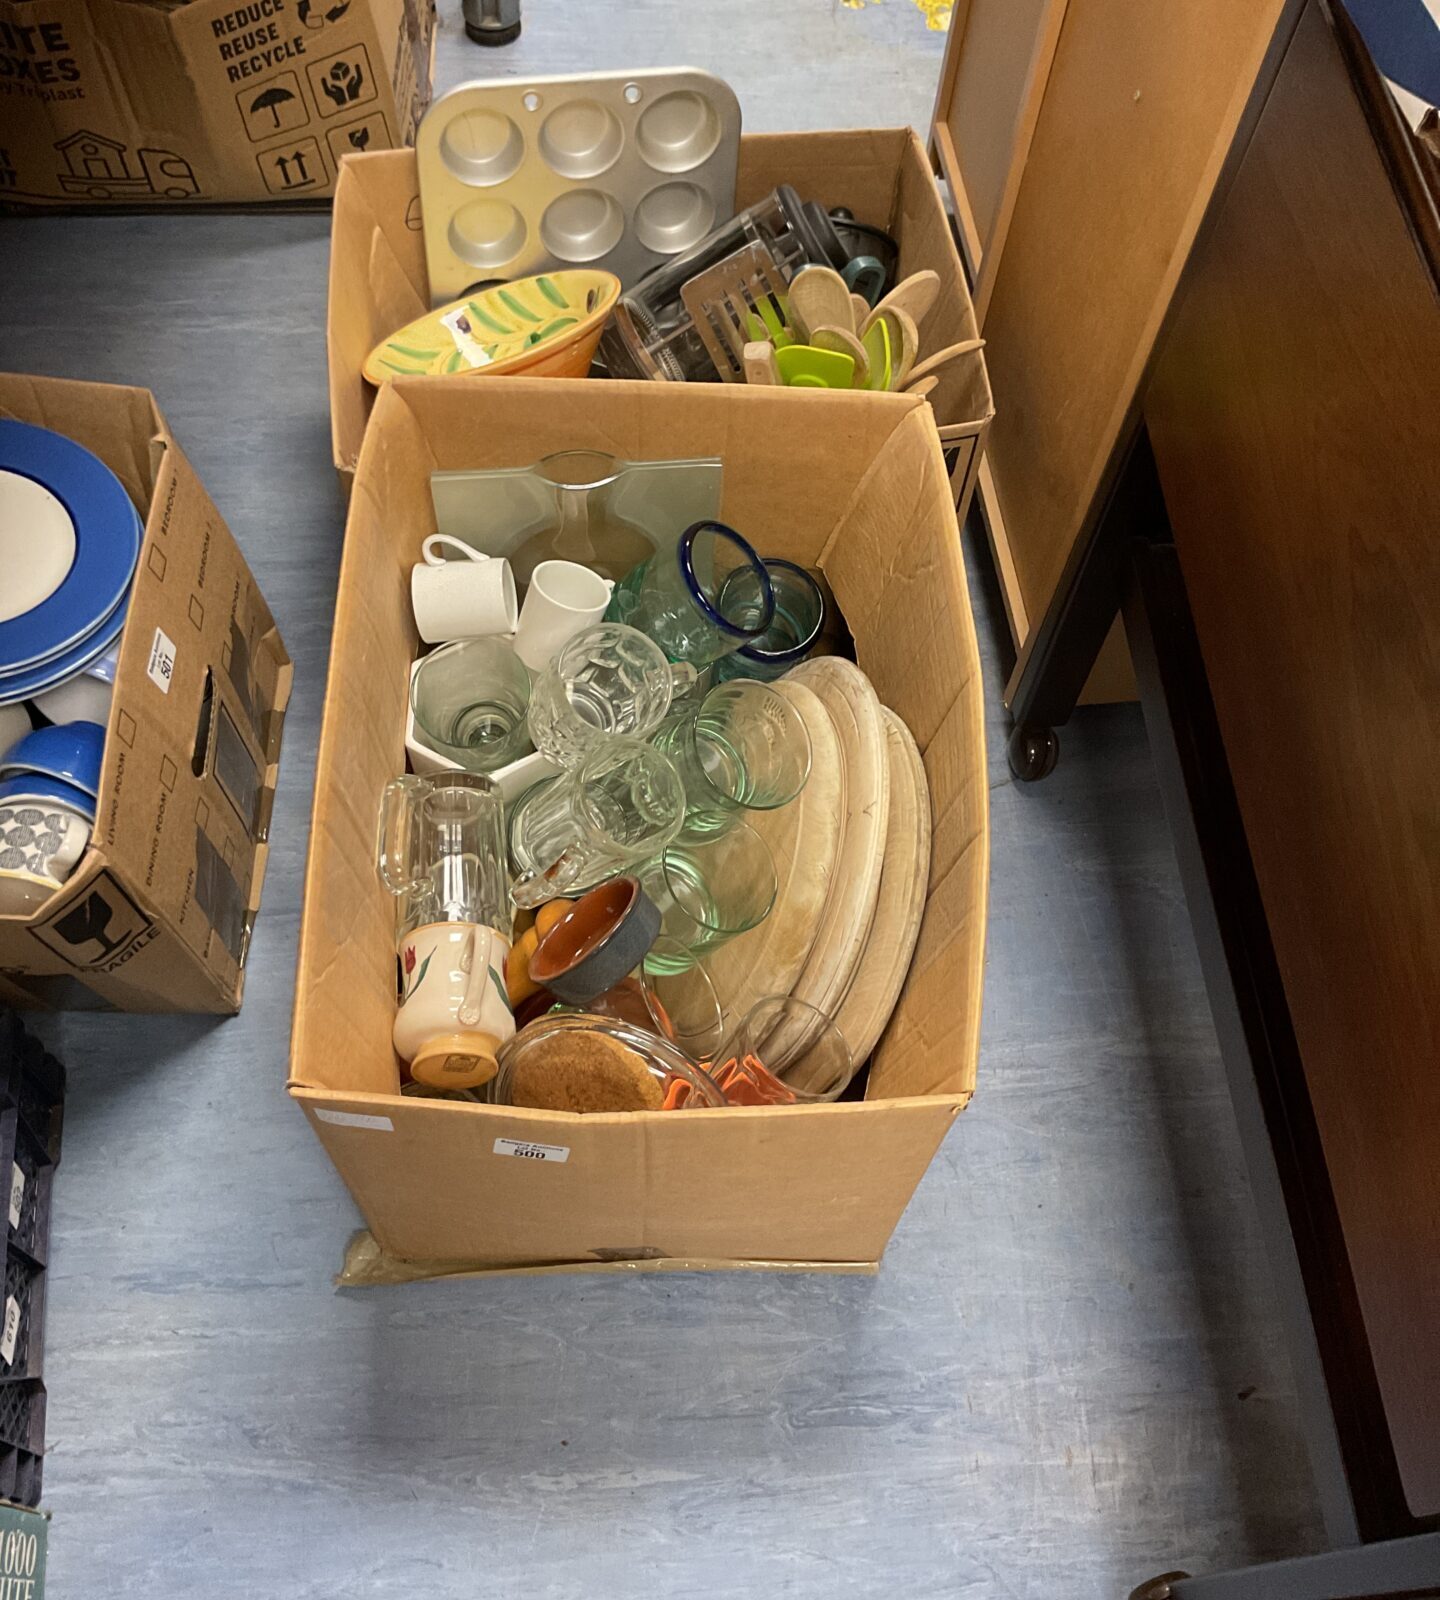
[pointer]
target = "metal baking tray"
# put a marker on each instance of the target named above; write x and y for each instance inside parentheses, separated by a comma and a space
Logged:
(619, 170)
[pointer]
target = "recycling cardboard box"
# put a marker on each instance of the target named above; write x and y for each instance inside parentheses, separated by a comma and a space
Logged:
(856, 485)
(378, 280)
(130, 103)
(157, 915)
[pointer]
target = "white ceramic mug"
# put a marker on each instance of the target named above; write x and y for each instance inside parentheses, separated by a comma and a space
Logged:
(563, 599)
(469, 598)
(454, 1010)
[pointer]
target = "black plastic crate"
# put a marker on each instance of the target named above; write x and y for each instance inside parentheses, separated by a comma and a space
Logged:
(27, 1176)
(22, 1416)
(33, 1082)
(22, 1321)
(20, 1472)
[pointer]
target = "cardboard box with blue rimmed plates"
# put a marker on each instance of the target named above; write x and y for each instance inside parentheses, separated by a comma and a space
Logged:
(143, 686)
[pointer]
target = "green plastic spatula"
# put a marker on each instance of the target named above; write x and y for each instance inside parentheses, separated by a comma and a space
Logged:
(803, 366)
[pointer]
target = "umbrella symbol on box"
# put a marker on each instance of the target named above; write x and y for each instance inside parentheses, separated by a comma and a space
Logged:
(271, 100)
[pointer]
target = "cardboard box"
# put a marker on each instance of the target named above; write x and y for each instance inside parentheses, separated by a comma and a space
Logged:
(158, 913)
(125, 103)
(378, 280)
(856, 484)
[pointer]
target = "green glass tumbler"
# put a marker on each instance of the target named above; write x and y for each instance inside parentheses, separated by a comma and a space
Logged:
(708, 892)
(700, 601)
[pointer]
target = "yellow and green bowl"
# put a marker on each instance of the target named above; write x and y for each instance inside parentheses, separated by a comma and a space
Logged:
(545, 327)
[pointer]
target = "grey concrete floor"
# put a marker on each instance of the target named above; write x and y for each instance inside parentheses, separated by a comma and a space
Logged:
(1066, 1377)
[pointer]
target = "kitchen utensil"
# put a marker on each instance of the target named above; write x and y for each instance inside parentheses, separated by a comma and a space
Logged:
(604, 935)
(679, 1006)
(622, 805)
(453, 1015)
(878, 354)
(794, 631)
(610, 679)
(923, 389)
(470, 701)
(710, 890)
(844, 343)
(617, 170)
(904, 341)
(544, 327)
(804, 839)
(818, 298)
(913, 295)
(440, 850)
(943, 358)
(46, 791)
(865, 239)
(69, 540)
(904, 883)
(865, 277)
(73, 753)
(743, 748)
(574, 503)
(470, 597)
(732, 303)
(581, 1062)
(805, 366)
(563, 601)
(860, 311)
(706, 598)
(653, 335)
(784, 1051)
(855, 888)
(759, 356)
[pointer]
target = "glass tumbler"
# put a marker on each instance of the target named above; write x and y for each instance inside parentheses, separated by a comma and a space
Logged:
(783, 1051)
(610, 679)
(744, 748)
(680, 1004)
(623, 804)
(708, 891)
(700, 601)
(794, 630)
(470, 700)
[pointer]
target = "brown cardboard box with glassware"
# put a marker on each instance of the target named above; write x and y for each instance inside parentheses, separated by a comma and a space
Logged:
(156, 912)
(379, 280)
(137, 103)
(855, 488)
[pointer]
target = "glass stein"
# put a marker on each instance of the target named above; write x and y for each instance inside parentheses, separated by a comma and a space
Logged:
(584, 526)
(622, 805)
(608, 680)
(700, 601)
(441, 853)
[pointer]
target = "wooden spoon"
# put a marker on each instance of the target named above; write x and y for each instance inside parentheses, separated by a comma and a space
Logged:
(914, 296)
(943, 358)
(819, 299)
(924, 387)
(861, 307)
(845, 343)
(759, 356)
(904, 342)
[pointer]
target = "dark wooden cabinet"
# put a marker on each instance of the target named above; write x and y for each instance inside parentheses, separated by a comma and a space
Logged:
(1294, 415)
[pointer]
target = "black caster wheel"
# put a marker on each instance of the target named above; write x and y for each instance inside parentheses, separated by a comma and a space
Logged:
(1032, 753)
(493, 36)
(1158, 1588)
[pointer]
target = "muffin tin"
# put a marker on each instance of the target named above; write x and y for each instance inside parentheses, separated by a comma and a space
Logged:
(621, 171)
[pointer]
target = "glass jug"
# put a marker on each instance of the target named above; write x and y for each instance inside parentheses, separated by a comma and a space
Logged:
(441, 853)
(584, 526)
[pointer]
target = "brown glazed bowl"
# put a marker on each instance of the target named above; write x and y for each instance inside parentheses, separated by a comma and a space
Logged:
(602, 937)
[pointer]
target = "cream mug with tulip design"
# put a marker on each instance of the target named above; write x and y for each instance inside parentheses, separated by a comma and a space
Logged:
(454, 1012)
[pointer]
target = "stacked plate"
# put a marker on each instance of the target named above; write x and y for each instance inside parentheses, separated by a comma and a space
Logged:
(852, 855)
(69, 541)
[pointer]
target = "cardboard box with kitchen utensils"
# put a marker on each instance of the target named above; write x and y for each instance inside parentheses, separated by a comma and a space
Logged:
(378, 279)
(855, 484)
(157, 915)
(124, 103)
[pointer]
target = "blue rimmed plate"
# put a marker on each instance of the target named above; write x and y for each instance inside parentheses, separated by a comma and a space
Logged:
(69, 540)
(51, 674)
